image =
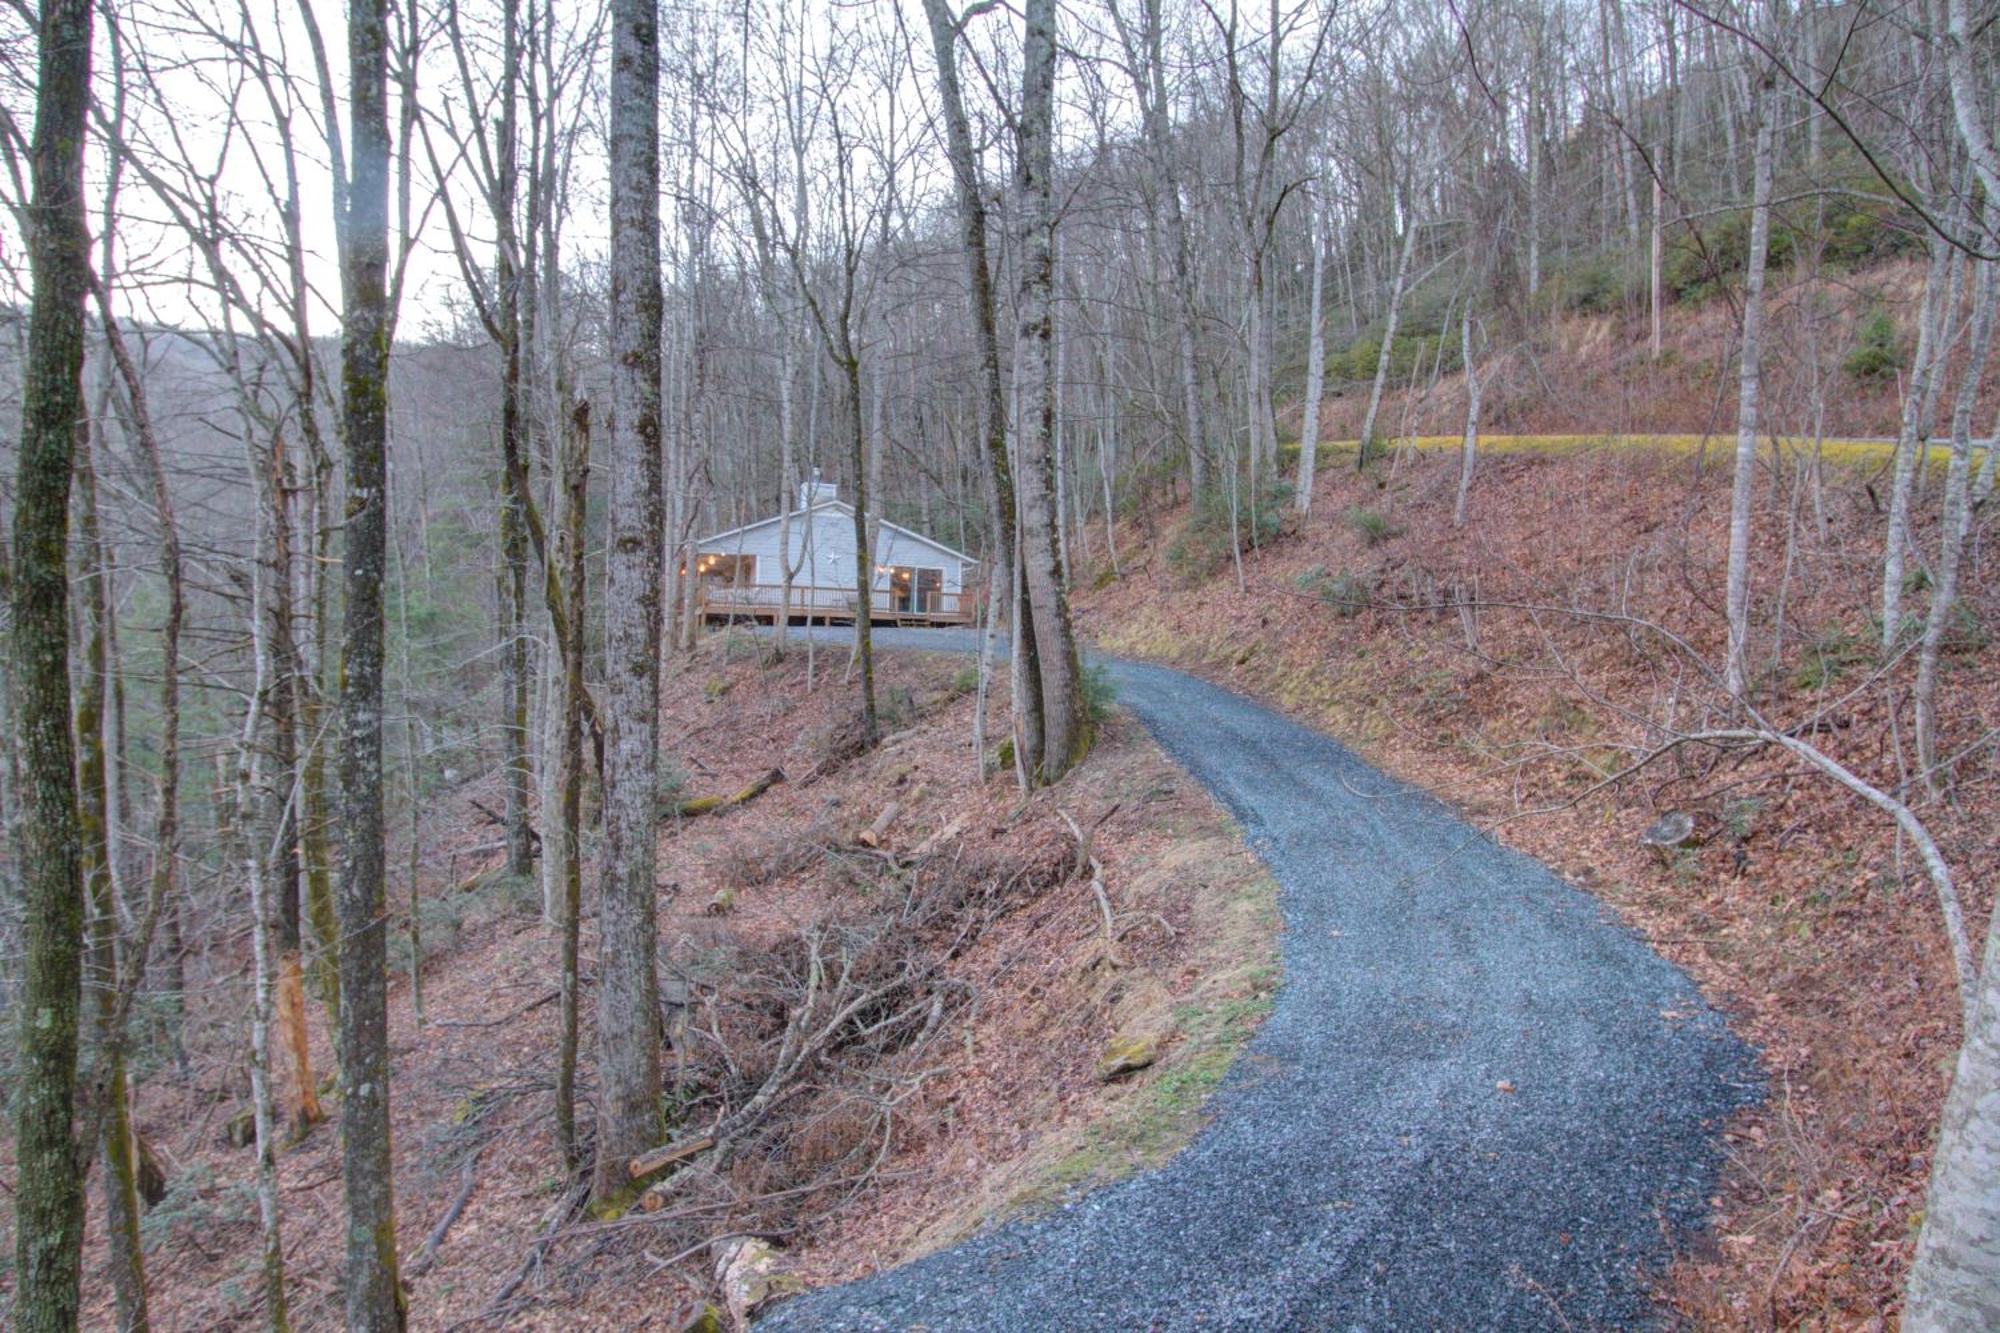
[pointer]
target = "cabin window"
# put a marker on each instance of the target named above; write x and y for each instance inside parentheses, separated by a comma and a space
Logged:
(915, 589)
(730, 570)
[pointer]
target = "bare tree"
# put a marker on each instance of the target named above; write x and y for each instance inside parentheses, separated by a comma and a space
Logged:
(1750, 385)
(375, 1300)
(1065, 722)
(49, 1203)
(1315, 358)
(1955, 1278)
(628, 1015)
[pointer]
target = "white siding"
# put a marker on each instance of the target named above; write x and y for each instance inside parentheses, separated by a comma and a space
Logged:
(822, 546)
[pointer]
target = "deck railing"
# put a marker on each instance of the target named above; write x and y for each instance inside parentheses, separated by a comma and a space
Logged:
(819, 603)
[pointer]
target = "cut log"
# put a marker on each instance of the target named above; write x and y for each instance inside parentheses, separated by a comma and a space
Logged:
(872, 835)
(647, 1163)
(1669, 834)
(710, 805)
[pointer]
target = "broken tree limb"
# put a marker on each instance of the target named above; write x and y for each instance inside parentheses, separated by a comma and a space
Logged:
(1085, 861)
(647, 1163)
(534, 838)
(468, 1176)
(872, 835)
(942, 836)
(711, 805)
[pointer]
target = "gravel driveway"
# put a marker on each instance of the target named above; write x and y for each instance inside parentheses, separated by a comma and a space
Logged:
(1478, 1102)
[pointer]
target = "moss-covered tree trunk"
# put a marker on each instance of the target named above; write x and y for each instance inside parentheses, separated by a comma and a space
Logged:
(514, 480)
(285, 883)
(570, 552)
(1065, 723)
(995, 471)
(48, 1207)
(864, 559)
(264, 804)
(374, 1296)
(628, 1016)
(104, 1091)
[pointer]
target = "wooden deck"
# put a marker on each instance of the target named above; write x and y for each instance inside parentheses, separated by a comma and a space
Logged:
(832, 606)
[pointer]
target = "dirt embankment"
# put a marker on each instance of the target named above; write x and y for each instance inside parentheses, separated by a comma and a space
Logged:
(1836, 351)
(972, 1091)
(1510, 666)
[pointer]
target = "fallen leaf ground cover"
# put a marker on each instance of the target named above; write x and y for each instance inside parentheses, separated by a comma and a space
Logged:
(1515, 667)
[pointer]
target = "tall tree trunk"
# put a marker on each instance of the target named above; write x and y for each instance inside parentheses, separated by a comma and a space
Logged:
(1066, 725)
(1469, 452)
(106, 1095)
(514, 505)
(1749, 390)
(1145, 58)
(1366, 448)
(287, 689)
(315, 818)
(264, 834)
(1315, 359)
(48, 1209)
(1953, 528)
(569, 566)
(162, 905)
(1954, 1281)
(628, 1015)
(374, 1296)
(864, 550)
(996, 472)
(1910, 444)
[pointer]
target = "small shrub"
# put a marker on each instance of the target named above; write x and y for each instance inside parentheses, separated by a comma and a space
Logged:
(1963, 630)
(1100, 693)
(520, 895)
(898, 709)
(1741, 816)
(967, 679)
(1878, 351)
(1346, 593)
(1373, 526)
(1601, 285)
(1357, 363)
(196, 1201)
(1202, 547)
(1828, 658)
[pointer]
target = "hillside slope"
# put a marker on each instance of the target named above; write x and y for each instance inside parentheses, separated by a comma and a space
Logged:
(980, 1102)
(1835, 349)
(1512, 667)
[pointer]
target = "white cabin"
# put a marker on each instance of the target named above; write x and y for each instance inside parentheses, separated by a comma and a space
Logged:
(916, 580)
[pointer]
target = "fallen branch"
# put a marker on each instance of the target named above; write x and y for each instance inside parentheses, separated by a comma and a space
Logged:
(647, 1163)
(1085, 860)
(468, 1176)
(942, 836)
(570, 1204)
(711, 805)
(501, 1021)
(534, 838)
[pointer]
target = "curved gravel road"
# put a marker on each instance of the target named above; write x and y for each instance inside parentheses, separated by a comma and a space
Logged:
(1478, 1102)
